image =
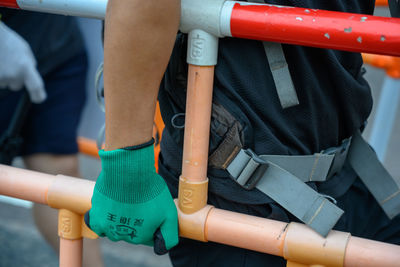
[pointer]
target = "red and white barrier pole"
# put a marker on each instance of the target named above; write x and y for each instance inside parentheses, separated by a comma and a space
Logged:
(9, 3)
(86, 8)
(291, 25)
(317, 28)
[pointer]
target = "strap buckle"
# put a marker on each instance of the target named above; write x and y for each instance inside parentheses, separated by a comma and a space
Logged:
(247, 168)
(340, 155)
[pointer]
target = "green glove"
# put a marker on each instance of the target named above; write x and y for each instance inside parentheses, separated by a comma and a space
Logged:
(130, 200)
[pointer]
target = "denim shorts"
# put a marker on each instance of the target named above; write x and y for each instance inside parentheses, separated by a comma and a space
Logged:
(51, 127)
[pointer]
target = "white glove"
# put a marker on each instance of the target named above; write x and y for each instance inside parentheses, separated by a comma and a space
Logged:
(18, 65)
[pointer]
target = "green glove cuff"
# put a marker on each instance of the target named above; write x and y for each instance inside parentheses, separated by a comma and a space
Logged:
(129, 176)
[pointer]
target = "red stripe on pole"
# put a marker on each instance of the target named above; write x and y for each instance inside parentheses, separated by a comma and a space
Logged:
(9, 3)
(317, 28)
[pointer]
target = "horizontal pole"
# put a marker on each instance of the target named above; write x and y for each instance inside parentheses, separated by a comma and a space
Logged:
(9, 3)
(81, 8)
(317, 28)
(220, 226)
(25, 184)
(291, 25)
(364, 252)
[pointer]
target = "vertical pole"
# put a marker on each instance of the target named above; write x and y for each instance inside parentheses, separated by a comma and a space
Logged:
(197, 123)
(71, 242)
(193, 183)
(71, 252)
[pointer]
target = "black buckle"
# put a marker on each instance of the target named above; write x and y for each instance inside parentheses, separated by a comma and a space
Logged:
(340, 155)
(338, 149)
(251, 180)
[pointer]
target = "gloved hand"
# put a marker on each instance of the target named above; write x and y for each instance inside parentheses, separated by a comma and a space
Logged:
(131, 201)
(18, 65)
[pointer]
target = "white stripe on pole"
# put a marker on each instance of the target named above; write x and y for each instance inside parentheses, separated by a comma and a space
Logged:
(81, 8)
(225, 19)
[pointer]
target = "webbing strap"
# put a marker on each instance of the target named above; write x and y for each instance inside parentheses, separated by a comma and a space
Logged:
(313, 168)
(289, 191)
(308, 168)
(280, 72)
(384, 187)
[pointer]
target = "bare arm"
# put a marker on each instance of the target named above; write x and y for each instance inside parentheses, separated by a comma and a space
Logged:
(138, 41)
(139, 37)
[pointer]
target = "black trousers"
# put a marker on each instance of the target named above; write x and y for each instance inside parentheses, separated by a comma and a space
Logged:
(363, 217)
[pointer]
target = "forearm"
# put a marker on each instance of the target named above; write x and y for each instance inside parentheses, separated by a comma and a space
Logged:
(138, 41)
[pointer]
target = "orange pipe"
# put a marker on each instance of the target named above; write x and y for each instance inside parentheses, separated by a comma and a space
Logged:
(71, 229)
(63, 193)
(364, 252)
(71, 252)
(197, 123)
(274, 237)
(390, 64)
(25, 184)
(381, 3)
(220, 226)
(246, 231)
(193, 183)
(88, 147)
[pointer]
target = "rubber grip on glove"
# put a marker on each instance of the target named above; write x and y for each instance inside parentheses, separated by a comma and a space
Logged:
(159, 243)
(86, 218)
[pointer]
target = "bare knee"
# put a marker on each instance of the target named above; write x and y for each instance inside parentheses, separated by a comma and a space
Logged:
(53, 164)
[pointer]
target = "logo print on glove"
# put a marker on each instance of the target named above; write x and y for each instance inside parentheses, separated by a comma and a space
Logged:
(123, 230)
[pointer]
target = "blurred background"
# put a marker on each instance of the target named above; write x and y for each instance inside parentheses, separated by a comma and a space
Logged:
(22, 245)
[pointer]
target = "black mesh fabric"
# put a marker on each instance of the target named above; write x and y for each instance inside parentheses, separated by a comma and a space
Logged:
(334, 98)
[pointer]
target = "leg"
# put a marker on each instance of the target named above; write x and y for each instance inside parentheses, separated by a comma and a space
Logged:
(46, 218)
(50, 141)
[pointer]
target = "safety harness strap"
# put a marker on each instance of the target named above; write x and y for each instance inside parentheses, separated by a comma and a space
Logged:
(280, 72)
(283, 178)
(311, 168)
(384, 187)
(250, 170)
(308, 168)
(281, 75)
